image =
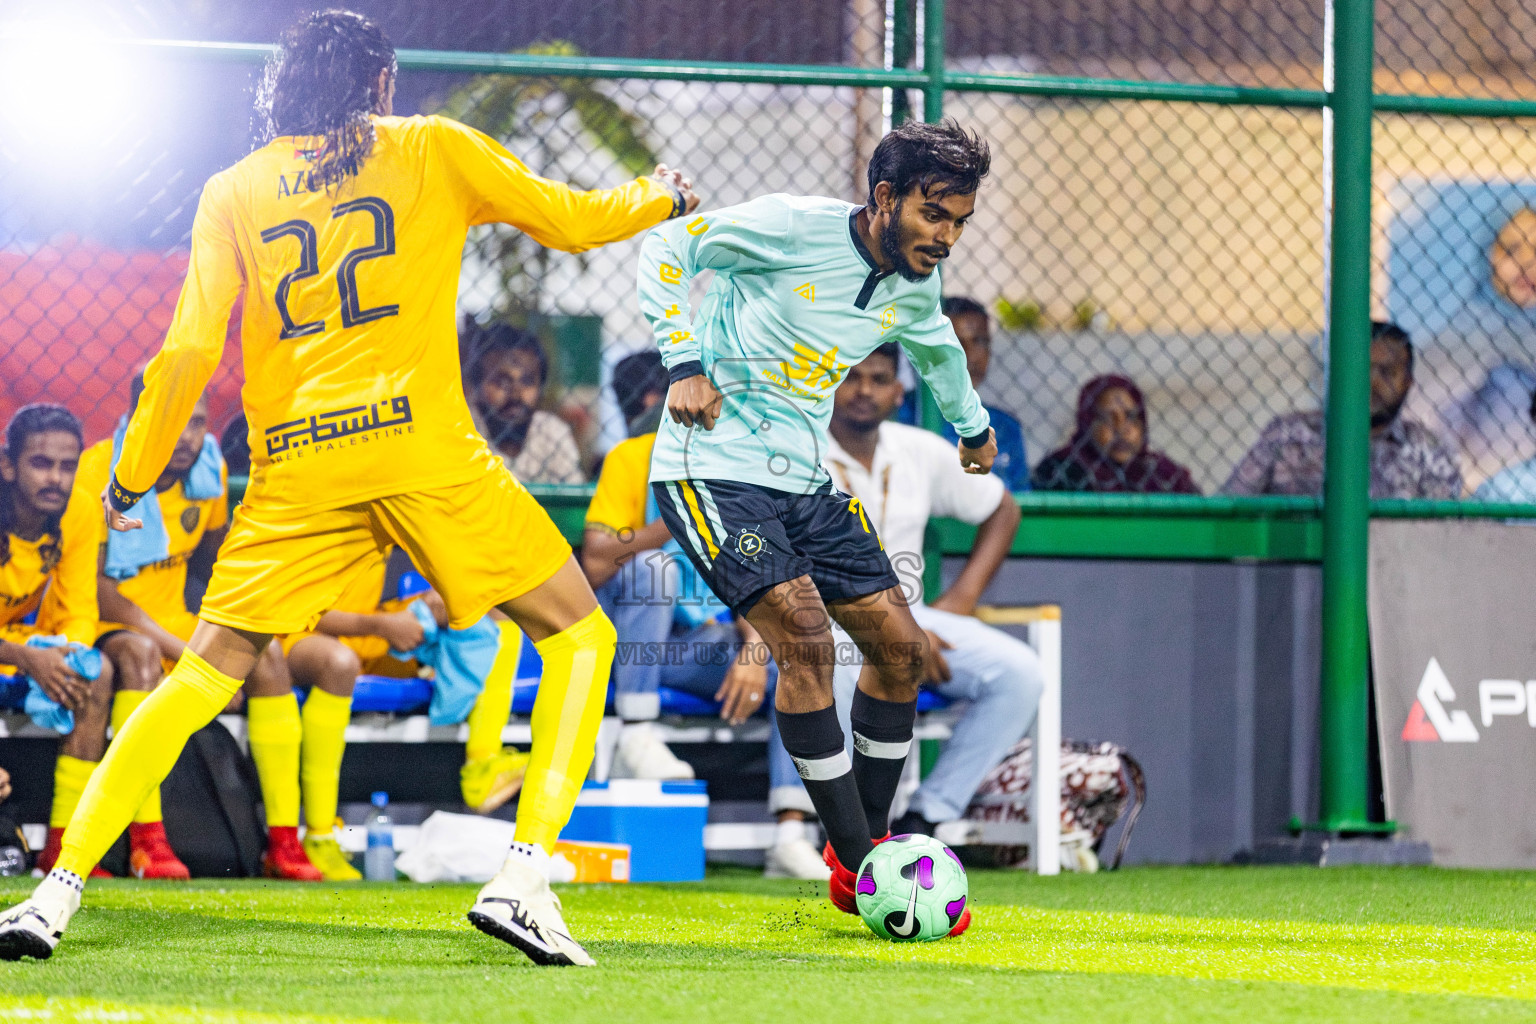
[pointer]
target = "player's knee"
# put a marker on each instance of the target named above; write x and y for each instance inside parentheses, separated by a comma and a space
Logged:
(339, 670)
(137, 661)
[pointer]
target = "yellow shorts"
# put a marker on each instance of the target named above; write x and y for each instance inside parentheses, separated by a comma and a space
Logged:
(479, 543)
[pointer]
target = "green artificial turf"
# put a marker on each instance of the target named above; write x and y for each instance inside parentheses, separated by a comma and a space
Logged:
(1144, 945)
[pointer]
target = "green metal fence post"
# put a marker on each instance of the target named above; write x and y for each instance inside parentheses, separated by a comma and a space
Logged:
(903, 53)
(1346, 488)
(933, 110)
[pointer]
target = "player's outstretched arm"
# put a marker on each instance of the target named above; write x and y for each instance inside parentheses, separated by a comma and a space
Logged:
(176, 377)
(497, 187)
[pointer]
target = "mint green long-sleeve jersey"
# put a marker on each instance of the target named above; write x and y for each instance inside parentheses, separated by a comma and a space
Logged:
(796, 300)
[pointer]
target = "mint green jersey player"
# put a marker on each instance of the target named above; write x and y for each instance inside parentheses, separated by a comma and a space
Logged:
(797, 298)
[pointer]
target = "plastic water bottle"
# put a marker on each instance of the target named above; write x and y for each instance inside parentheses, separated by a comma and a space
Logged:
(379, 861)
(13, 861)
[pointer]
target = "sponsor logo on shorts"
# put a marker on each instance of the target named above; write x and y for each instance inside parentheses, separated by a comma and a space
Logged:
(750, 544)
(376, 421)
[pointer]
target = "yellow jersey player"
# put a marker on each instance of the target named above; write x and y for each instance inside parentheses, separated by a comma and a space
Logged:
(344, 234)
(48, 547)
(141, 592)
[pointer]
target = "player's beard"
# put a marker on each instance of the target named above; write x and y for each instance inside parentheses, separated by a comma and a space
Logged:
(891, 247)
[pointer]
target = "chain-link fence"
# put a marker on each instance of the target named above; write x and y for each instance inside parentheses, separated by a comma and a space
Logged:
(1177, 241)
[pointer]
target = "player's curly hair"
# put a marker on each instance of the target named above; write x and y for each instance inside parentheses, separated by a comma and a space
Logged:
(324, 81)
(940, 158)
(38, 418)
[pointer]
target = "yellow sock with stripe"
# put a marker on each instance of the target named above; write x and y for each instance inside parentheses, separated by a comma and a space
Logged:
(123, 704)
(70, 774)
(276, 732)
(325, 741)
(141, 756)
(494, 705)
(566, 715)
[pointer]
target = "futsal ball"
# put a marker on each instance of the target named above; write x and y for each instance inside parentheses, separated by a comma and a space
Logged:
(911, 889)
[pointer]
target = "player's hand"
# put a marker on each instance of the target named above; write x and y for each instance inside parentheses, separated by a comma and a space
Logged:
(236, 702)
(742, 691)
(682, 184)
(48, 669)
(935, 667)
(115, 519)
(979, 460)
(694, 401)
(5, 784)
(402, 631)
(436, 606)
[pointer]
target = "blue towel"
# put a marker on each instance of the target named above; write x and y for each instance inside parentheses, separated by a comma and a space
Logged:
(460, 660)
(46, 712)
(129, 552)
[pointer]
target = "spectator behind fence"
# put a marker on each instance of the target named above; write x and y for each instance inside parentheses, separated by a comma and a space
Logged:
(1407, 459)
(1517, 483)
(1108, 450)
(973, 328)
(672, 629)
(902, 476)
(505, 372)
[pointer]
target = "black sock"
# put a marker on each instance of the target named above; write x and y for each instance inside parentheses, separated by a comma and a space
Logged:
(815, 742)
(882, 736)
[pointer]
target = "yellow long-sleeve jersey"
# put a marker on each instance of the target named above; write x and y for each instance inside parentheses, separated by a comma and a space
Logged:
(352, 380)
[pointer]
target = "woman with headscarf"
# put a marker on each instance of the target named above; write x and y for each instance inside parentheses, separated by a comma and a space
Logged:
(1108, 450)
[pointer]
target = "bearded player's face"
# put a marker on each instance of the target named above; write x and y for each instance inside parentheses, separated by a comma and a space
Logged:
(921, 230)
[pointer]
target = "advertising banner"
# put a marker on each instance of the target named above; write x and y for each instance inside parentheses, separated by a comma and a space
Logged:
(1453, 646)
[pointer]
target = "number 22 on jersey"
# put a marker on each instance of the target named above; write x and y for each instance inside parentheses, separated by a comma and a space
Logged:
(353, 312)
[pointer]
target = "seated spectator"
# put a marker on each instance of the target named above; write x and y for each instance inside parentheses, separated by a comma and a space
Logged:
(142, 585)
(1108, 451)
(1407, 459)
(1512, 259)
(903, 476)
(48, 540)
(505, 371)
(1516, 483)
(973, 328)
(672, 629)
(298, 756)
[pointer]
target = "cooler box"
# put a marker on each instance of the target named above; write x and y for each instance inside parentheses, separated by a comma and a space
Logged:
(662, 822)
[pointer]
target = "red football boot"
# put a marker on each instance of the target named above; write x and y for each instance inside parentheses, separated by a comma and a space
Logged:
(285, 857)
(962, 924)
(150, 854)
(55, 846)
(841, 885)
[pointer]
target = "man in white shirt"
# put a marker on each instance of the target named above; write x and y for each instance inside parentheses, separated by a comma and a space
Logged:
(903, 476)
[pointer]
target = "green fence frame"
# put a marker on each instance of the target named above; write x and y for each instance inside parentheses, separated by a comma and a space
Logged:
(1332, 530)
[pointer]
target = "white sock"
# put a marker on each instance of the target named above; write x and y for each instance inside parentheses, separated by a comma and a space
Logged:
(60, 886)
(530, 855)
(789, 830)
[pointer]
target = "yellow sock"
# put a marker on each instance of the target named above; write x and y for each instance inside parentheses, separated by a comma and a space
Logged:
(141, 756)
(494, 705)
(325, 740)
(566, 715)
(70, 774)
(123, 704)
(275, 733)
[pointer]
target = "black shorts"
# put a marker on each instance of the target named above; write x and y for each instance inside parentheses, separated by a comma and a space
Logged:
(745, 539)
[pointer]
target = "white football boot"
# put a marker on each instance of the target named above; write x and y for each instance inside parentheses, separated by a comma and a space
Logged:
(34, 926)
(519, 908)
(642, 755)
(793, 856)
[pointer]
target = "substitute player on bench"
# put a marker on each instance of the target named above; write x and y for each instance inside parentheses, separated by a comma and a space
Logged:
(803, 289)
(345, 235)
